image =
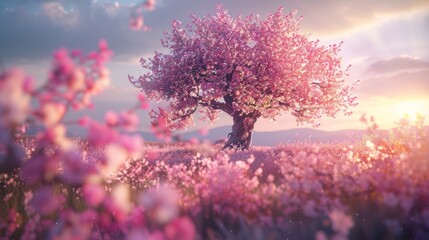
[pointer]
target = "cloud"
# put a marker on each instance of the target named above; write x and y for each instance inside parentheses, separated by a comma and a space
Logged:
(112, 8)
(34, 35)
(397, 64)
(54, 10)
(332, 16)
(402, 85)
(58, 14)
(40, 29)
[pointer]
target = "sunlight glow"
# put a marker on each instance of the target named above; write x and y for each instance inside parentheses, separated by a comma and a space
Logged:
(411, 109)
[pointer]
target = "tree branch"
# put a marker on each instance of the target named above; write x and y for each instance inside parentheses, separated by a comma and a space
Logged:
(228, 97)
(318, 84)
(180, 37)
(187, 114)
(284, 104)
(217, 106)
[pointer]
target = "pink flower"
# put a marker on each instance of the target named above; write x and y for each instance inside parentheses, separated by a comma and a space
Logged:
(137, 234)
(32, 170)
(136, 23)
(45, 200)
(144, 102)
(160, 125)
(40, 168)
(341, 223)
(74, 225)
(29, 85)
(119, 203)
(103, 46)
(132, 144)
(151, 155)
(84, 121)
(76, 53)
(14, 100)
(76, 80)
(114, 157)
(111, 118)
(321, 236)
(50, 113)
(74, 169)
(136, 218)
(180, 229)
(93, 194)
(162, 202)
(98, 86)
(149, 5)
(11, 224)
(56, 135)
(104, 53)
(100, 135)
(128, 120)
(64, 65)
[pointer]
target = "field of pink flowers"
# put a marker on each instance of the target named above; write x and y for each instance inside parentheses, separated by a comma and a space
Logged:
(376, 188)
(112, 185)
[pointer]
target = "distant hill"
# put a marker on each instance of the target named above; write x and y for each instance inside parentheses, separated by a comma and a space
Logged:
(279, 137)
(263, 138)
(283, 136)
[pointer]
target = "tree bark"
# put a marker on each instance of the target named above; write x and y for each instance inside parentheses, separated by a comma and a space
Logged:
(242, 129)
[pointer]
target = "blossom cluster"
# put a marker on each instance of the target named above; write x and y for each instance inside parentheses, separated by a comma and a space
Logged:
(368, 188)
(136, 17)
(59, 187)
(112, 185)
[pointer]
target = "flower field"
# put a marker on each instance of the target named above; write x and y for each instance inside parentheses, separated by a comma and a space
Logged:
(376, 188)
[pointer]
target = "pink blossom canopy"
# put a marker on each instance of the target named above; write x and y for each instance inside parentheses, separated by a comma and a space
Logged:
(244, 66)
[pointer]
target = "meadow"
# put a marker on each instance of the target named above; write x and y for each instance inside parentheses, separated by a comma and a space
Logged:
(376, 188)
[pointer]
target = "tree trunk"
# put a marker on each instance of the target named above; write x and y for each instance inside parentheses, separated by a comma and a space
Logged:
(241, 135)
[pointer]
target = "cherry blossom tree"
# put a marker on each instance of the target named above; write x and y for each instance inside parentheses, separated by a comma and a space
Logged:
(246, 67)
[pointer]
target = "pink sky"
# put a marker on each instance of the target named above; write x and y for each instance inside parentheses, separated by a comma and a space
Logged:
(385, 41)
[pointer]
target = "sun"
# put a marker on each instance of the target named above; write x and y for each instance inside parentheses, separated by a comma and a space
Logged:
(412, 109)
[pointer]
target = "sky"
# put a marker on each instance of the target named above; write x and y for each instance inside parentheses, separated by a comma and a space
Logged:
(385, 41)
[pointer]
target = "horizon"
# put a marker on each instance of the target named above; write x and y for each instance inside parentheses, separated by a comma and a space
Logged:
(260, 138)
(386, 43)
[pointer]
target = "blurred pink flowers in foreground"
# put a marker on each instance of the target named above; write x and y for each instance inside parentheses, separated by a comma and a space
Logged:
(137, 19)
(14, 98)
(341, 223)
(58, 171)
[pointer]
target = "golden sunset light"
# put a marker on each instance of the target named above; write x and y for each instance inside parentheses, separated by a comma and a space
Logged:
(411, 108)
